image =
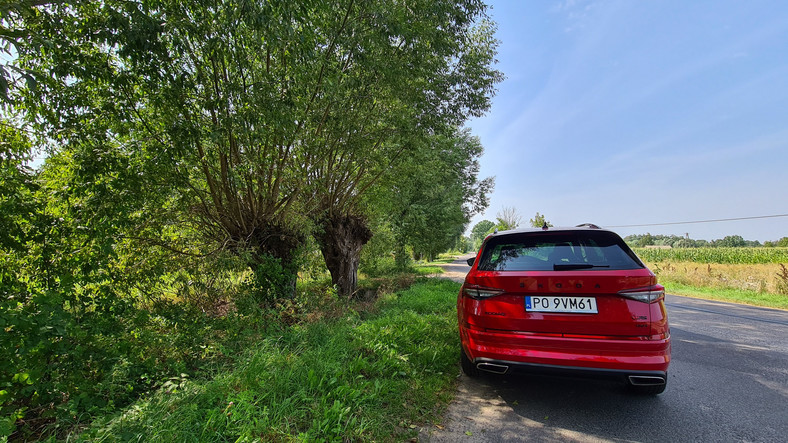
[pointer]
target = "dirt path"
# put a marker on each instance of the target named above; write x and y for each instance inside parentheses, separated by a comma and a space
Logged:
(457, 269)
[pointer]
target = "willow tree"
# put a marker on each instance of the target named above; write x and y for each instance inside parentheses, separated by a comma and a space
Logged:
(218, 102)
(402, 73)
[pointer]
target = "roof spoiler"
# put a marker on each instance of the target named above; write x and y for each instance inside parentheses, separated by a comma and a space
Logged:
(588, 225)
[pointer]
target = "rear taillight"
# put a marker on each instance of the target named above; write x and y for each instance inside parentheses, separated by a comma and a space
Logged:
(479, 293)
(645, 295)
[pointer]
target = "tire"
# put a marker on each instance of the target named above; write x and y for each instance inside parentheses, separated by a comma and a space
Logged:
(467, 365)
(649, 390)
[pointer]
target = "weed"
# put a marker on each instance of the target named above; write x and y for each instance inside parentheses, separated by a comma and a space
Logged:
(782, 280)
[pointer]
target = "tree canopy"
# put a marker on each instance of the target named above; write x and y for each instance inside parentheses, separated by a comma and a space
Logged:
(481, 229)
(260, 122)
(433, 194)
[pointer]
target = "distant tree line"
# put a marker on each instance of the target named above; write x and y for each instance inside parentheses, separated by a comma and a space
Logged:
(675, 241)
(509, 218)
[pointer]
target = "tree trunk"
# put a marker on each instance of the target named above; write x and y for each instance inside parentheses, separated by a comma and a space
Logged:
(274, 263)
(341, 242)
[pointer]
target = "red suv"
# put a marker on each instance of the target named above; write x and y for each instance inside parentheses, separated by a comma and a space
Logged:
(566, 301)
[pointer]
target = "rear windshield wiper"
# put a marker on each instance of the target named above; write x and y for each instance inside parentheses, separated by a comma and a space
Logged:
(573, 266)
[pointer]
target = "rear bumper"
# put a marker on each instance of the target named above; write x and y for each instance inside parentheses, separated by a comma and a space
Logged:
(502, 352)
(640, 378)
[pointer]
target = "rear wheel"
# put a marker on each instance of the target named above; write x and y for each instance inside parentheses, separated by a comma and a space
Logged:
(467, 365)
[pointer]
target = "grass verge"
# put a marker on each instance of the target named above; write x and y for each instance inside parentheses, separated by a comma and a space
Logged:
(427, 269)
(374, 376)
(762, 284)
(754, 298)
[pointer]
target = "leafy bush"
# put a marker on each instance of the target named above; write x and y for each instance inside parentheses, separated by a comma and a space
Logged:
(91, 321)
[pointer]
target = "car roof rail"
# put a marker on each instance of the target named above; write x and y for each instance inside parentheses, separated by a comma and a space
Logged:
(588, 225)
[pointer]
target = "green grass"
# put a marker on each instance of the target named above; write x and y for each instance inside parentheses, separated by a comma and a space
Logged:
(427, 269)
(371, 377)
(445, 258)
(754, 298)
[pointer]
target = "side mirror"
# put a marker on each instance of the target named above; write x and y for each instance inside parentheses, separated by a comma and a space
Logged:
(470, 261)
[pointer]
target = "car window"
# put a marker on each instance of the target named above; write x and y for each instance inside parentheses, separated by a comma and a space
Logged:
(594, 250)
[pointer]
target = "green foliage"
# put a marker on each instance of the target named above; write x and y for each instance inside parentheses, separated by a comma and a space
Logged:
(480, 231)
(87, 317)
(433, 195)
(463, 245)
(270, 280)
(427, 269)
(347, 378)
(17, 186)
(538, 221)
(99, 360)
(731, 241)
(646, 240)
(715, 255)
(253, 123)
(377, 257)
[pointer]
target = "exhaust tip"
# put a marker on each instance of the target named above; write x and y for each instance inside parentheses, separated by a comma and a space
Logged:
(646, 380)
(492, 367)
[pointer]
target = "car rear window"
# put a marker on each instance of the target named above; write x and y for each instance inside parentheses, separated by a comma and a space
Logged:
(558, 251)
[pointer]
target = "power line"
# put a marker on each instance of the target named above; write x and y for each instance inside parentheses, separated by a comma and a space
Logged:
(700, 221)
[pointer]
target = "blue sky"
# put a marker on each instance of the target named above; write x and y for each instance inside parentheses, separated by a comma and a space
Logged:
(640, 112)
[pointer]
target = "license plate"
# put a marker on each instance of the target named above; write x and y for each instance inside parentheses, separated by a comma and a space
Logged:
(575, 305)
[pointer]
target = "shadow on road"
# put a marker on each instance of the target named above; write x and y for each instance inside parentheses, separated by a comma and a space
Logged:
(539, 408)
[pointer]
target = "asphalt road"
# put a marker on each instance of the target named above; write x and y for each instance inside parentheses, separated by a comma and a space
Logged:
(728, 381)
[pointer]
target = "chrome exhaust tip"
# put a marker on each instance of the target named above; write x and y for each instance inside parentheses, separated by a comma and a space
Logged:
(492, 367)
(646, 380)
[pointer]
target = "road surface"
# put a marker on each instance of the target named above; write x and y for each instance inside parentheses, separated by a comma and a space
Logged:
(728, 381)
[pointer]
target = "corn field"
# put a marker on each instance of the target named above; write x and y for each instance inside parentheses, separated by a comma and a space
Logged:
(746, 256)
